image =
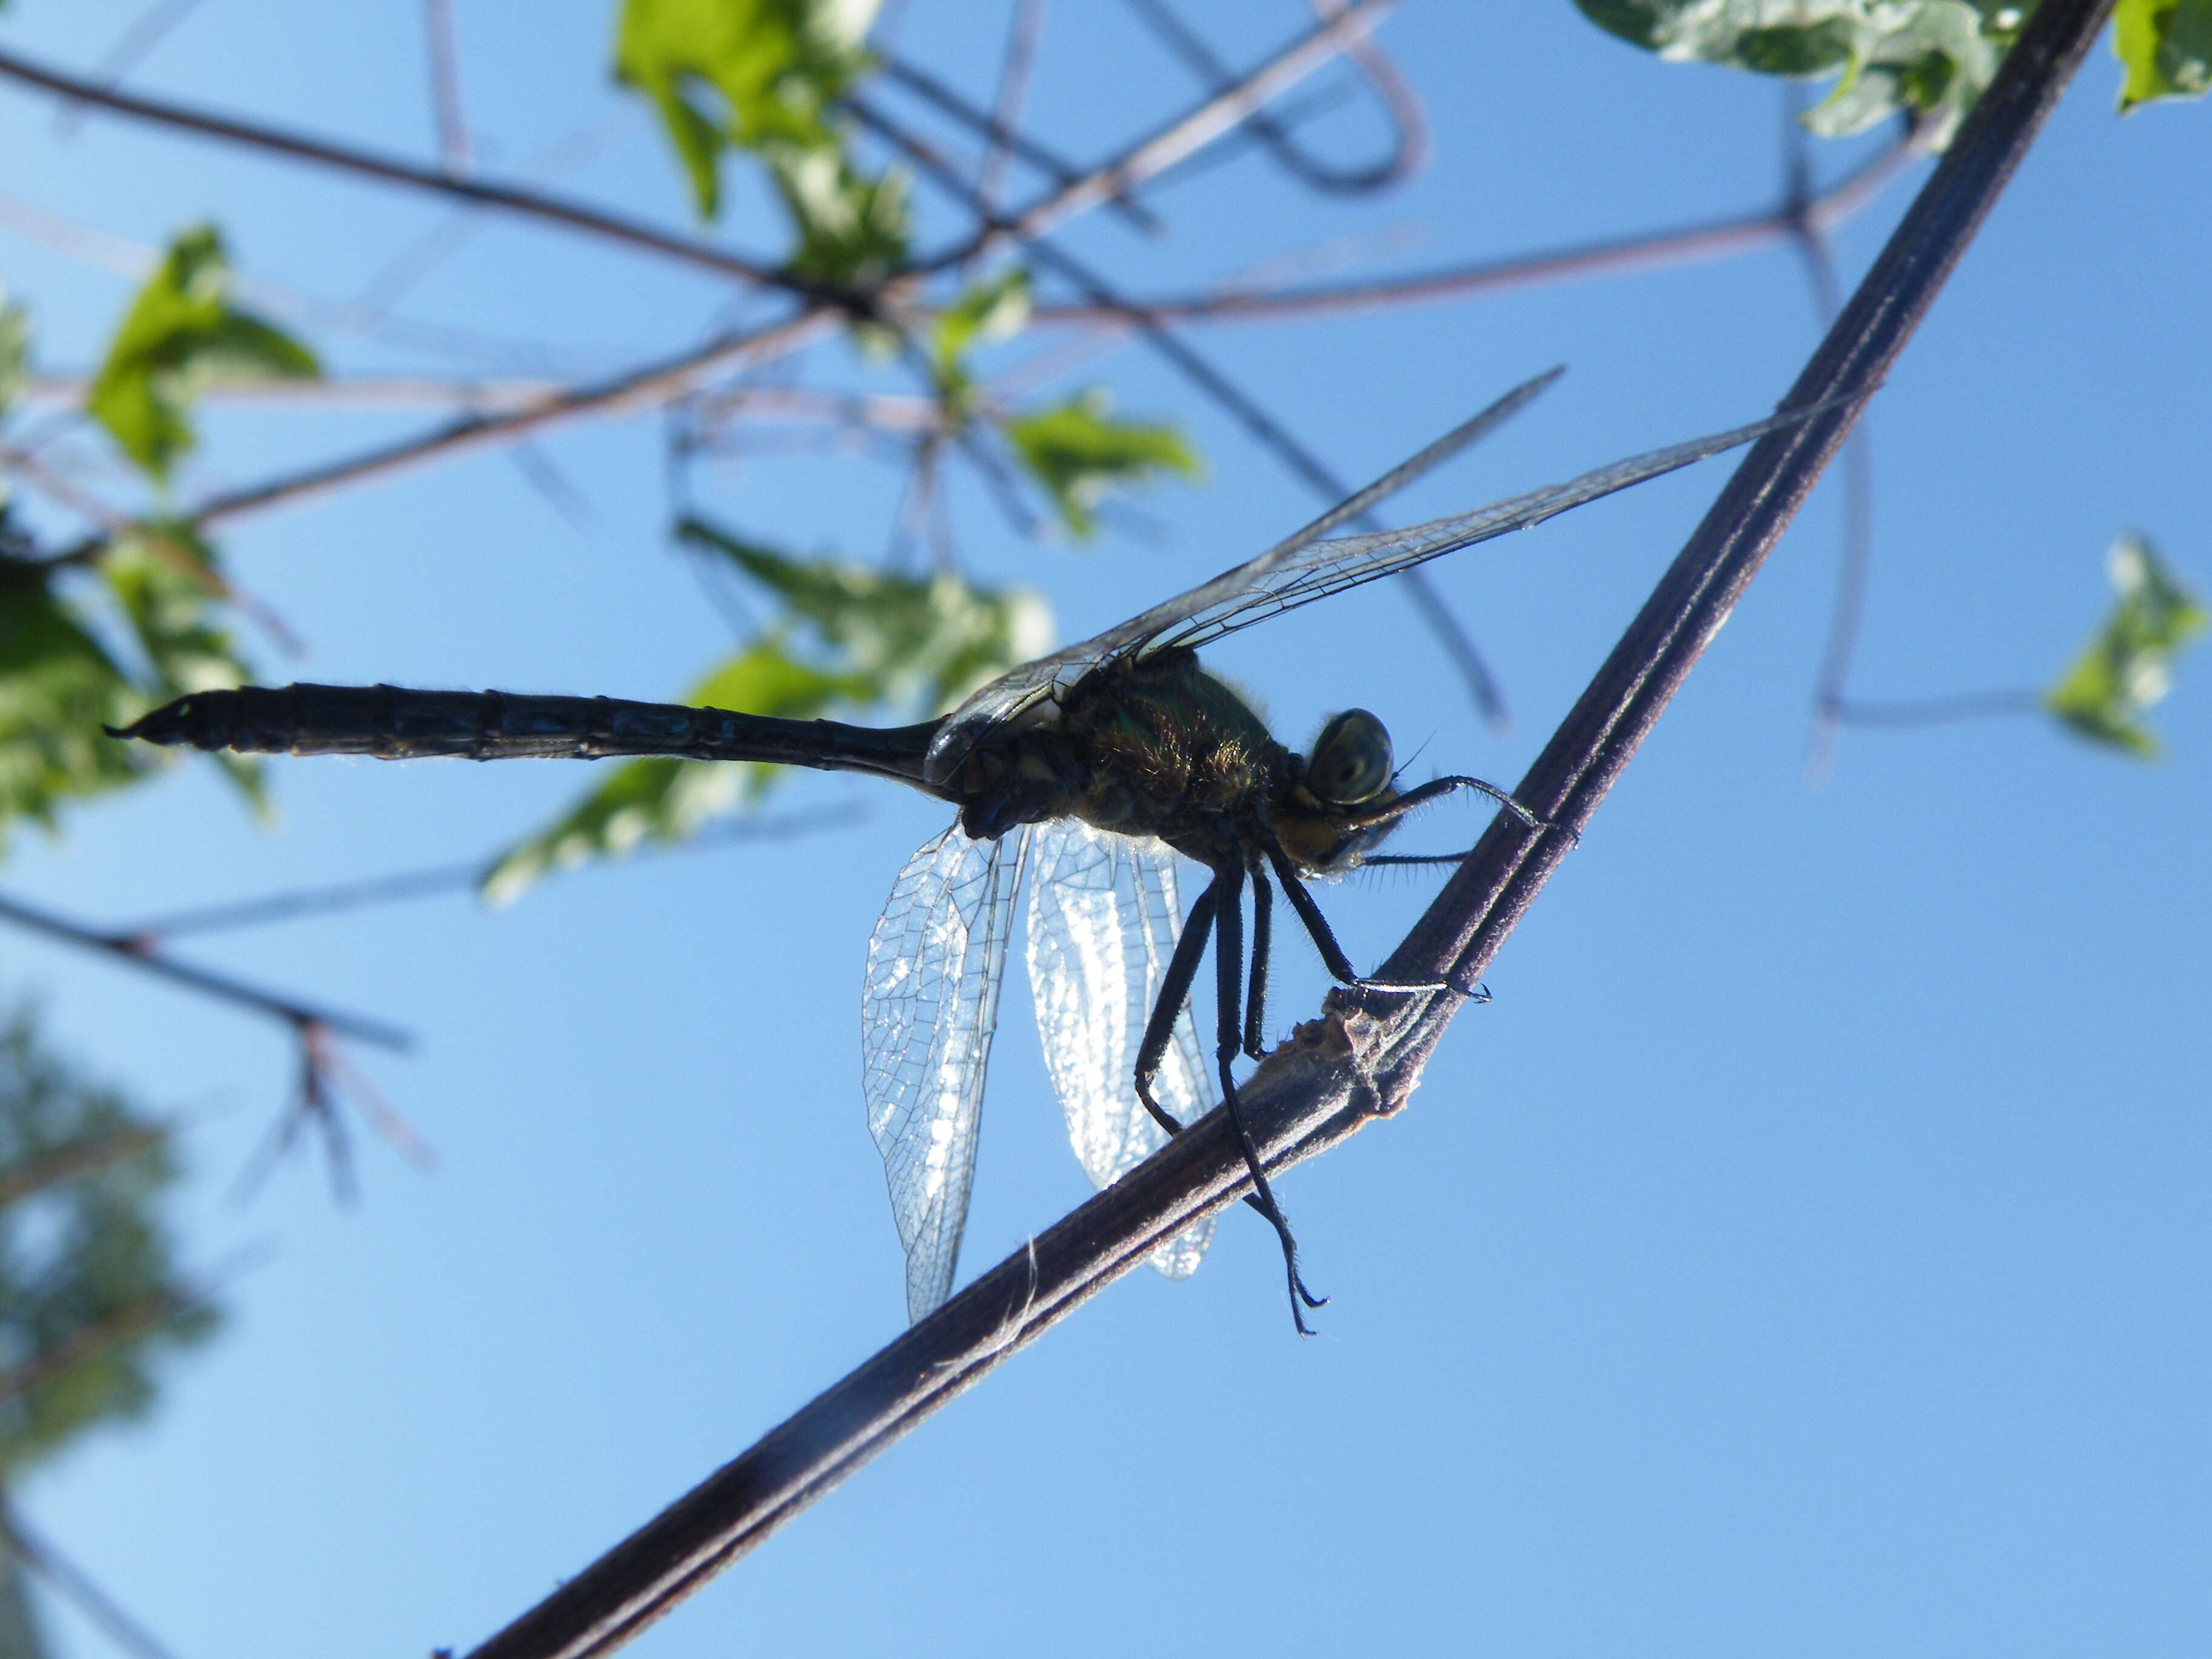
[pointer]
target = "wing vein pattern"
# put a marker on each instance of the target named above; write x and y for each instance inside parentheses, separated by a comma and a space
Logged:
(929, 1007)
(1103, 917)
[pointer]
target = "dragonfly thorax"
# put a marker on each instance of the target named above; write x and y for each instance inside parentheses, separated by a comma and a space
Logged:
(1155, 747)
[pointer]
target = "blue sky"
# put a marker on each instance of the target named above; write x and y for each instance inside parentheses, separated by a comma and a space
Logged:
(1804, 1252)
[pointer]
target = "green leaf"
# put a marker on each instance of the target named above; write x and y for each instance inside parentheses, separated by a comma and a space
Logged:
(872, 640)
(151, 571)
(743, 72)
(89, 1300)
(1080, 455)
(852, 226)
(58, 687)
(663, 800)
(2167, 48)
(1932, 56)
(996, 308)
(2128, 666)
(15, 350)
(181, 336)
(906, 643)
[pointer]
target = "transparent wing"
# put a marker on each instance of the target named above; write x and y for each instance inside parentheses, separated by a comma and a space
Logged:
(929, 1003)
(1103, 917)
(1299, 571)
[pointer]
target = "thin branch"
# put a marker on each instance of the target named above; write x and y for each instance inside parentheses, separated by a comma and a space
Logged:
(93, 1339)
(1226, 394)
(124, 947)
(76, 1158)
(1022, 36)
(294, 902)
(72, 1582)
(130, 50)
(506, 198)
(1181, 137)
(444, 55)
(1936, 711)
(1337, 1072)
(1409, 148)
(1686, 243)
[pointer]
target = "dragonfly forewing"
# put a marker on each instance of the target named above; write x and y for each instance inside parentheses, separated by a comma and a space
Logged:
(1104, 916)
(929, 1006)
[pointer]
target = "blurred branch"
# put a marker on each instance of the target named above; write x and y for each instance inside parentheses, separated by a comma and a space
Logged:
(1685, 244)
(526, 203)
(294, 902)
(1934, 711)
(78, 1157)
(1409, 148)
(126, 948)
(152, 27)
(445, 56)
(1338, 1073)
(76, 1586)
(1226, 394)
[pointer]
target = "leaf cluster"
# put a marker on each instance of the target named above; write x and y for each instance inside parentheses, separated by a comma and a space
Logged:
(2127, 665)
(845, 638)
(2166, 46)
(181, 336)
(1930, 57)
(88, 1296)
(761, 76)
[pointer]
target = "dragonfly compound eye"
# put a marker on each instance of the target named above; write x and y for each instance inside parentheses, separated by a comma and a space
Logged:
(1351, 759)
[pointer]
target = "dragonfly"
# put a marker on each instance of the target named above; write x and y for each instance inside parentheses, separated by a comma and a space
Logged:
(1089, 771)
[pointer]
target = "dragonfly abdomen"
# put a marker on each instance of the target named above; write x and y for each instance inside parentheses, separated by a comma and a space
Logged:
(390, 722)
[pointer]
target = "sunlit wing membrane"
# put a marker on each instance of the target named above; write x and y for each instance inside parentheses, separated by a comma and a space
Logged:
(1104, 918)
(929, 1003)
(1295, 574)
(1023, 687)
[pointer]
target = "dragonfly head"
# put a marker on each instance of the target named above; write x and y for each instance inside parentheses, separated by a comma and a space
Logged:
(1351, 767)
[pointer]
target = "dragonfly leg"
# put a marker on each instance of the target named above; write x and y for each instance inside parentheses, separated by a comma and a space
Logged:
(1332, 953)
(1229, 964)
(1255, 1000)
(1167, 1008)
(1437, 788)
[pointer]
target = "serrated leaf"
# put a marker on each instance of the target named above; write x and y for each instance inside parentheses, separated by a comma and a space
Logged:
(743, 72)
(663, 800)
(181, 336)
(1081, 454)
(2127, 665)
(1932, 56)
(2167, 48)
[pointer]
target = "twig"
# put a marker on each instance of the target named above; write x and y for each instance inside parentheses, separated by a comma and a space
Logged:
(444, 55)
(151, 28)
(1680, 245)
(1935, 711)
(78, 1157)
(72, 1581)
(1409, 148)
(91, 1339)
(1326, 1084)
(124, 947)
(1226, 394)
(506, 198)
(1022, 36)
(296, 902)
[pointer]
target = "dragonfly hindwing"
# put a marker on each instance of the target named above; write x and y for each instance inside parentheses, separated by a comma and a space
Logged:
(1102, 923)
(929, 1003)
